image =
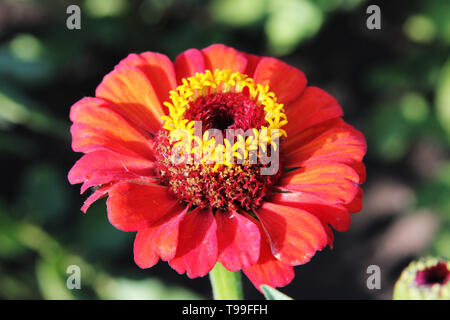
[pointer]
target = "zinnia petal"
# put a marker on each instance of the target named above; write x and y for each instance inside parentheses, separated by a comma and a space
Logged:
(134, 96)
(158, 240)
(103, 166)
(134, 206)
(158, 69)
(238, 240)
(188, 63)
(286, 81)
(268, 269)
(252, 64)
(330, 235)
(356, 204)
(99, 193)
(333, 183)
(219, 56)
(97, 127)
(197, 245)
(295, 235)
(336, 215)
(144, 248)
(311, 108)
(166, 242)
(334, 141)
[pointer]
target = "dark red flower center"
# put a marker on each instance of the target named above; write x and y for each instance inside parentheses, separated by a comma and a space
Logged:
(438, 274)
(229, 110)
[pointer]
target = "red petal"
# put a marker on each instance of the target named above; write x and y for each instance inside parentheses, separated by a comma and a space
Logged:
(159, 71)
(166, 242)
(144, 248)
(238, 239)
(311, 108)
(356, 204)
(295, 235)
(97, 127)
(133, 206)
(197, 245)
(252, 64)
(330, 235)
(134, 96)
(101, 167)
(219, 56)
(286, 81)
(268, 270)
(334, 183)
(336, 215)
(160, 239)
(334, 141)
(101, 192)
(188, 63)
(359, 167)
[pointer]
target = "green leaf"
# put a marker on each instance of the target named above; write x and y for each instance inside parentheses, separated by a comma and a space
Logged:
(273, 294)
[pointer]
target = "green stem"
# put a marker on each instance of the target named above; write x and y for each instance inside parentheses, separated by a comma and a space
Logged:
(226, 284)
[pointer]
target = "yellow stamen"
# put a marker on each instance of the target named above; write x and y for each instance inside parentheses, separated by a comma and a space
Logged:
(222, 81)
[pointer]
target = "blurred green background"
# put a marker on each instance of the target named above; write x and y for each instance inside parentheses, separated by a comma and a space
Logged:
(393, 83)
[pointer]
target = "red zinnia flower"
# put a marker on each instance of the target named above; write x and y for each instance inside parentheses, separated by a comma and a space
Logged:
(194, 215)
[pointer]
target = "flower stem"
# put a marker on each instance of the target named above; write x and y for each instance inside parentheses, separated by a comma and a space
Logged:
(226, 284)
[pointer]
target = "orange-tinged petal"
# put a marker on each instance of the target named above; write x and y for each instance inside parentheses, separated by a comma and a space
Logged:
(334, 214)
(295, 235)
(339, 143)
(311, 108)
(135, 206)
(188, 63)
(238, 240)
(334, 183)
(158, 69)
(219, 56)
(134, 96)
(197, 245)
(286, 81)
(97, 127)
